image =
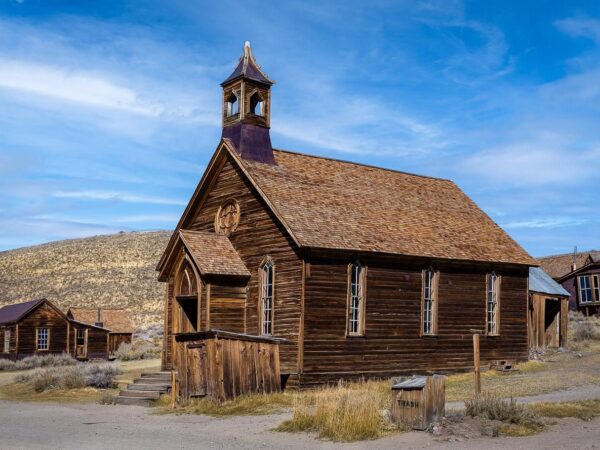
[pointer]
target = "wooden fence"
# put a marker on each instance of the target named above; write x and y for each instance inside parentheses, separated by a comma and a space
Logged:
(222, 365)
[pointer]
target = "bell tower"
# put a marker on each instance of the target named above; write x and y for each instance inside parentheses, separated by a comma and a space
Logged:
(247, 108)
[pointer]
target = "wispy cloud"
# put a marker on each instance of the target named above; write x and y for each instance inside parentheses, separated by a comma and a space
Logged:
(119, 196)
(548, 222)
(580, 27)
(69, 85)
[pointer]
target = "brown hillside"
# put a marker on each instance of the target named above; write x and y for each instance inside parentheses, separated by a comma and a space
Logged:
(111, 271)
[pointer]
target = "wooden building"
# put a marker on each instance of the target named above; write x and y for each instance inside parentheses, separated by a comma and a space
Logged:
(579, 274)
(38, 327)
(548, 317)
(364, 271)
(118, 321)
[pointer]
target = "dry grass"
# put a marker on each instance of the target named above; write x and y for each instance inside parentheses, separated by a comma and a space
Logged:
(33, 362)
(115, 270)
(253, 404)
(72, 377)
(584, 409)
(558, 371)
(345, 413)
(24, 392)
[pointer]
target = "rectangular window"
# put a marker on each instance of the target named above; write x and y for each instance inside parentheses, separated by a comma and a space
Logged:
(6, 340)
(356, 299)
(429, 305)
(585, 290)
(596, 288)
(43, 339)
(80, 336)
(493, 303)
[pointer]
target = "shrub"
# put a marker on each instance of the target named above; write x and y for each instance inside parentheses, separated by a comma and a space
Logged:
(36, 361)
(138, 349)
(584, 330)
(582, 409)
(6, 365)
(78, 376)
(505, 410)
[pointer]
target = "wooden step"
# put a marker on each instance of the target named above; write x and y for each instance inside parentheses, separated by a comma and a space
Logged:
(149, 380)
(147, 394)
(149, 387)
(153, 376)
(137, 401)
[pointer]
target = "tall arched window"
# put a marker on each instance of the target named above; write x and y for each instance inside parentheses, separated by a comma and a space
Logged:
(356, 299)
(187, 282)
(493, 304)
(266, 278)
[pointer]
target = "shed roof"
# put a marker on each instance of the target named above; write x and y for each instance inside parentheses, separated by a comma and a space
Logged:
(116, 320)
(333, 204)
(213, 253)
(13, 313)
(540, 281)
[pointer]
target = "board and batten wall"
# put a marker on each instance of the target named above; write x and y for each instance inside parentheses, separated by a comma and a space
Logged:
(392, 343)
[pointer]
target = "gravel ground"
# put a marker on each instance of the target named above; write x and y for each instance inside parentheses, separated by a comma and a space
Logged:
(70, 426)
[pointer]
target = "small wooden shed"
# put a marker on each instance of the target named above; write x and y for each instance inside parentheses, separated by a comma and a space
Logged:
(419, 401)
(548, 315)
(222, 365)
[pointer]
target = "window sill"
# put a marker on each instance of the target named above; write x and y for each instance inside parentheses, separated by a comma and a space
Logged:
(492, 335)
(354, 336)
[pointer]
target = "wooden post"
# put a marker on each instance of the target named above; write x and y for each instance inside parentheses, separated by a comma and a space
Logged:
(476, 363)
(173, 389)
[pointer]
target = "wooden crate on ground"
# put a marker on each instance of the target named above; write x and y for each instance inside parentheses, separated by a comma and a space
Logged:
(419, 401)
(222, 365)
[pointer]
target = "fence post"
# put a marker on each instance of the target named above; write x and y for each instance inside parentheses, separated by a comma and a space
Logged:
(476, 363)
(173, 389)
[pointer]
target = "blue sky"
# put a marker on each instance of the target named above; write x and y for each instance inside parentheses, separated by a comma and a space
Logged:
(111, 110)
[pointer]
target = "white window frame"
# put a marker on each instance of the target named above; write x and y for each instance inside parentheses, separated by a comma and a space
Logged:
(492, 309)
(267, 297)
(355, 322)
(42, 339)
(596, 287)
(429, 308)
(584, 283)
(6, 340)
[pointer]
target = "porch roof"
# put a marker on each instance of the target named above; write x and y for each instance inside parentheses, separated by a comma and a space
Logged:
(213, 253)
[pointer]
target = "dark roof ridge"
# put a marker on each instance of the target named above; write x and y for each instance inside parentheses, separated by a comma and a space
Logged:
(370, 166)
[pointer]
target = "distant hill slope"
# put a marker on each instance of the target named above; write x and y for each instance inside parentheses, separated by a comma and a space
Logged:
(114, 270)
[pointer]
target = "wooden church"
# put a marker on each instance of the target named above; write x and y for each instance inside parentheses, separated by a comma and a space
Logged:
(362, 271)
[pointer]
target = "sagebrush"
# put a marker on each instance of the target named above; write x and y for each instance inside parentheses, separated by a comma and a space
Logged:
(508, 411)
(138, 349)
(81, 375)
(34, 362)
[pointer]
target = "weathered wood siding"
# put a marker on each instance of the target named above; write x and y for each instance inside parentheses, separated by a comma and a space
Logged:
(224, 368)
(228, 306)
(392, 343)
(42, 317)
(97, 343)
(258, 235)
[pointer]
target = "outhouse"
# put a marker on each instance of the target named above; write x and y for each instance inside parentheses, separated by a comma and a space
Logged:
(419, 401)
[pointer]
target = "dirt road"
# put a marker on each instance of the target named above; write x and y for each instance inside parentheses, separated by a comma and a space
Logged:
(70, 426)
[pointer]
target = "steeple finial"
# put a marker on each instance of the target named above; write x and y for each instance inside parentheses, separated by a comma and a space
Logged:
(248, 68)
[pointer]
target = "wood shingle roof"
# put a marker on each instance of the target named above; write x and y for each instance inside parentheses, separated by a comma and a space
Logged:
(115, 320)
(213, 253)
(559, 265)
(335, 204)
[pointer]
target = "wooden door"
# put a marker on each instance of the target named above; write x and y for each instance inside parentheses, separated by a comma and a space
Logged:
(81, 341)
(196, 370)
